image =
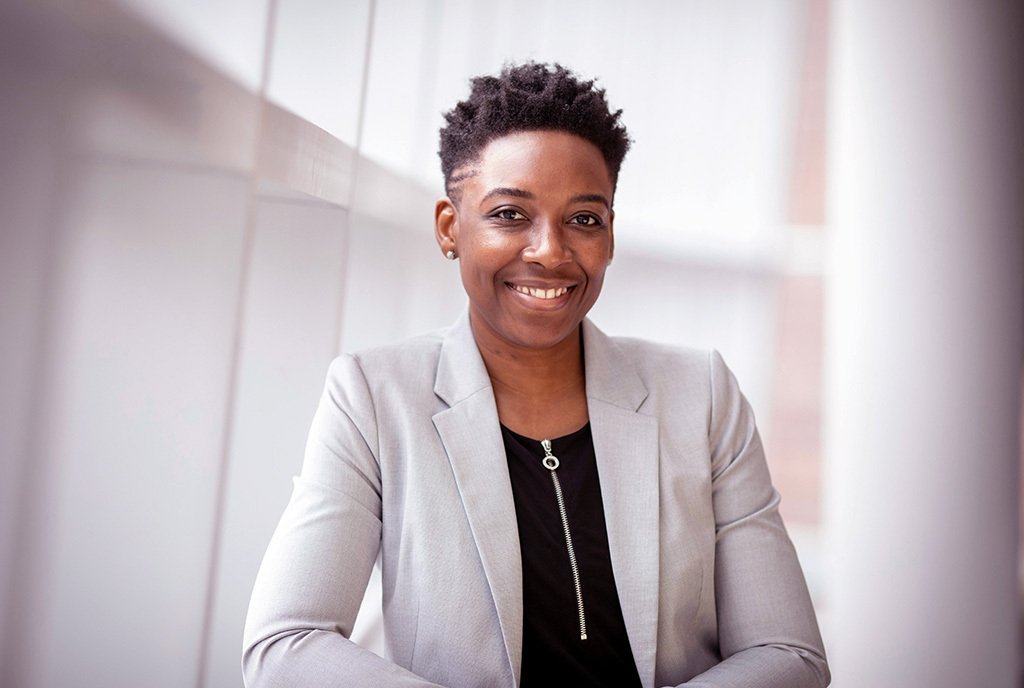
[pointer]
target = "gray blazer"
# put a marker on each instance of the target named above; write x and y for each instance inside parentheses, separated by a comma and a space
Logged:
(405, 461)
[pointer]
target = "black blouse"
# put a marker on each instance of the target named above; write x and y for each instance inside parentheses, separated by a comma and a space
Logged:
(553, 652)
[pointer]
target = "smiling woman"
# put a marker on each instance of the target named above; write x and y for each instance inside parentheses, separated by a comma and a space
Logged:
(548, 505)
(533, 231)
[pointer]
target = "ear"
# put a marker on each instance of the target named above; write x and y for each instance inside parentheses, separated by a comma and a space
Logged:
(446, 224)
(611, 237)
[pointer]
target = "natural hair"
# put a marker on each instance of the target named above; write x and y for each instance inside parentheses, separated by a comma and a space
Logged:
(529, 97)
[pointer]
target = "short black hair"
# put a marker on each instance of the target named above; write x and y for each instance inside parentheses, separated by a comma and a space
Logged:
(530, 97)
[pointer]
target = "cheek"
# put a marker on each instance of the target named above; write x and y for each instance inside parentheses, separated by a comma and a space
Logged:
(596, 284)
(478, 272)
(595, 275)
(597, 260)
(483, 259)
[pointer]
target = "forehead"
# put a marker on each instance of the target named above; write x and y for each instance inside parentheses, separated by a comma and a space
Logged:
(539, 161)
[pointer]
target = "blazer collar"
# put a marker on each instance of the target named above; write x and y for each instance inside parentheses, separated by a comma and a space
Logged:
(461, 372)
(611, 377)
(626, 447)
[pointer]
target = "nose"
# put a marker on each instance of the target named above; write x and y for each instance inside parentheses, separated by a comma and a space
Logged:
(548, 246)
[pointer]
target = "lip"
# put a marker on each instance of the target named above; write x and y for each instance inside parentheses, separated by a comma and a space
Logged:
(541, 294)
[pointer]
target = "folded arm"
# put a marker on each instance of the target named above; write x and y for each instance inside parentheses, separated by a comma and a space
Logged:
(316, 568)
(767, 632)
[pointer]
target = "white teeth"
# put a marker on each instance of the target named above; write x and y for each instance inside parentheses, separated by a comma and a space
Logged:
(541, 293)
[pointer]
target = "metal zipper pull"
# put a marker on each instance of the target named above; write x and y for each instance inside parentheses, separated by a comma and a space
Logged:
(550, 462)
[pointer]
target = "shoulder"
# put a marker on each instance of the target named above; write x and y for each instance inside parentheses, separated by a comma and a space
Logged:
(696, 377)
(648, 350)
(657, 360)
(697, 390)
(408, 354)
(411, 362)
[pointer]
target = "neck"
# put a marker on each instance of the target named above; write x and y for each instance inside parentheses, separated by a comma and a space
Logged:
(538, 372)
(539, 392)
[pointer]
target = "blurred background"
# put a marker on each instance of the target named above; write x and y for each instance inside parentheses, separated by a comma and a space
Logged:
(202, 203)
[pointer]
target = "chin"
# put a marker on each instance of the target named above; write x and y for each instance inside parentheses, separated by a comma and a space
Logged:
(542, 338)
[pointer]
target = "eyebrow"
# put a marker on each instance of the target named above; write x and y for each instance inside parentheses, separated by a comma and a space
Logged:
(591, 198)
(520, 193)
(507, 191)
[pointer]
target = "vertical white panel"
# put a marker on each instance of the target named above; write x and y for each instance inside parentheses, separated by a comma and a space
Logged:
(923, 345)
(292, 309)
(142, 344)
(317, 62)
(401, 121)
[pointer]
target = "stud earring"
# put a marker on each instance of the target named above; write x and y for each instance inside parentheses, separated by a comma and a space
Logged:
(450, 255)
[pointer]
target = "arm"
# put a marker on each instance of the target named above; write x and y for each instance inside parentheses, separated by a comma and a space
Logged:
(767, 630)
(315, 571)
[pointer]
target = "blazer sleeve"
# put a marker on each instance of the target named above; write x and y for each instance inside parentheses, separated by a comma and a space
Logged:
(316, 568)
(767, 632)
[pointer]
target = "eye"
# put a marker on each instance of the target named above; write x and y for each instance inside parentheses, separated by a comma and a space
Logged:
(508, 215)
(586, 220)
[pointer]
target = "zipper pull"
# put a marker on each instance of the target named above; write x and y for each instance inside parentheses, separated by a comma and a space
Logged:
(550, 461)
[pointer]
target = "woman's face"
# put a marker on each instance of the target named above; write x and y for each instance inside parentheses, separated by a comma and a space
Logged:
(532, 228)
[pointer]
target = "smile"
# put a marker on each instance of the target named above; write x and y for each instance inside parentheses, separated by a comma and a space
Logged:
(540, 293)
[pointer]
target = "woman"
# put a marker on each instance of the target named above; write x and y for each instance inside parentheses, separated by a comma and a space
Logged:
(549, 505)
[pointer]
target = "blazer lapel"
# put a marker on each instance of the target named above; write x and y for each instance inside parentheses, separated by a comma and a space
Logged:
(626, 446)
(470, 432)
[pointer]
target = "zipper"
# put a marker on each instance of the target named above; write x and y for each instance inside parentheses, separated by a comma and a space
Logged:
(550, 462)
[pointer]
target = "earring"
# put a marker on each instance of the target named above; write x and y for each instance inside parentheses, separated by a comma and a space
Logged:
(450, 255)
